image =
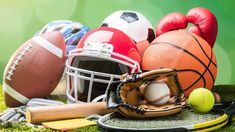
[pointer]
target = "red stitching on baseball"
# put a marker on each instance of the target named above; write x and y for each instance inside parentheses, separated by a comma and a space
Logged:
(160, 98)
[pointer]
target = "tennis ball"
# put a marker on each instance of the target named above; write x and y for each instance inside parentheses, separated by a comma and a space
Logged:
(201, 100)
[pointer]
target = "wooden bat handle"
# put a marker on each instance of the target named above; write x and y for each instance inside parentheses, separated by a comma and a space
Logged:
(41, 114)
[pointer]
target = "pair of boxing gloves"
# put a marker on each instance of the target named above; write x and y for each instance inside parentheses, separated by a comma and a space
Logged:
(204, 23)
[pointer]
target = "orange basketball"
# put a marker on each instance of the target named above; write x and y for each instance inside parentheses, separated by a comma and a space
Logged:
(190, 55)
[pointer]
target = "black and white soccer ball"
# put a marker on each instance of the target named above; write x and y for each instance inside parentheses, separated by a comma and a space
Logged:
(134, 24)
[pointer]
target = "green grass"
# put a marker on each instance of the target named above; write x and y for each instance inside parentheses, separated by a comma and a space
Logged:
(2, 105)
(226, 92)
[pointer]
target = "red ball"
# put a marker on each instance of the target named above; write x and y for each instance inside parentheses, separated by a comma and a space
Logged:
(35, 69)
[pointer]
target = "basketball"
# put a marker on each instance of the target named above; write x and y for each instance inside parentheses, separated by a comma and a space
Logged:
(190, 55)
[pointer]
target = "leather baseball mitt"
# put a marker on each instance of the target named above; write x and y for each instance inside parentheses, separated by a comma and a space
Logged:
(127, 98)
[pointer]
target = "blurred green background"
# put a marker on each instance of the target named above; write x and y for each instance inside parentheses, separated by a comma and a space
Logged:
(20, 19)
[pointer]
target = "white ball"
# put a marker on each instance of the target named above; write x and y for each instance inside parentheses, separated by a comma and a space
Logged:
(157, 93)
(133, 23)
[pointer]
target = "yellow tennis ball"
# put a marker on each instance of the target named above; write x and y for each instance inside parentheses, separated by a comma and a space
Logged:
(201, 100)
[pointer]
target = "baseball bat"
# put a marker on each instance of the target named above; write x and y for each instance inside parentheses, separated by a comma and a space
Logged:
(36, 115)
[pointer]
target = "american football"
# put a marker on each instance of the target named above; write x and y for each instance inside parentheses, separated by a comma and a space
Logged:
(35, 69)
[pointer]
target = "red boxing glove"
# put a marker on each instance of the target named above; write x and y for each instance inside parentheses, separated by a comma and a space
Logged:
(172, 21)
(205, 23)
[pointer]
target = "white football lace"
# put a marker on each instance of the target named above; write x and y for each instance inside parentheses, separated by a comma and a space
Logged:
(16, 62)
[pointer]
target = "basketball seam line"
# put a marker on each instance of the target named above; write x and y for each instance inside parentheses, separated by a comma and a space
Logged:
(194, 72)
(201, 48)
(186, 51)
(183, 50)
(203, 76)
(210, 59)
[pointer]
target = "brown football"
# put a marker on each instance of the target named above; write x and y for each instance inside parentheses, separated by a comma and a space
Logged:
(35, 69)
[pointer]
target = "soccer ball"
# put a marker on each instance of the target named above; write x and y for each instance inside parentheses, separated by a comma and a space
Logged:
(132, 23)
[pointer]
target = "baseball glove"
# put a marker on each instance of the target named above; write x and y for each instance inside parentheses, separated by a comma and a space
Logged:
(127, 98)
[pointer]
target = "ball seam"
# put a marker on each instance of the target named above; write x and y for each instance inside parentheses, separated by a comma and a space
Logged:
(160, 98)
(16, 62)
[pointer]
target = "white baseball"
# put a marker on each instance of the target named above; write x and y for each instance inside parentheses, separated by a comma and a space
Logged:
(157, 93)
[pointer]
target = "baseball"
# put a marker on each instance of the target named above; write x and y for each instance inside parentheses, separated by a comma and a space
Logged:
(157, 93)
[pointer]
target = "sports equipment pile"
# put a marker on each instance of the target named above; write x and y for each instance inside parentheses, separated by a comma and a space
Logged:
(109, 68)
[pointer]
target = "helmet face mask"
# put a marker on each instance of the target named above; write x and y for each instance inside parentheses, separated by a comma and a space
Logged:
(93, 67)
(87, 83)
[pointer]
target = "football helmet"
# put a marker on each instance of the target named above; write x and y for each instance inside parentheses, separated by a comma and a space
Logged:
(72, 31)
(101, 57)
